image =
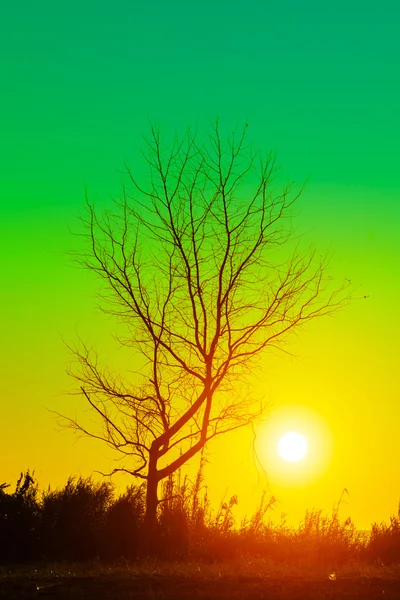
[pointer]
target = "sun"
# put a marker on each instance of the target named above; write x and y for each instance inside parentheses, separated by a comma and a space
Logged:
(292, 446)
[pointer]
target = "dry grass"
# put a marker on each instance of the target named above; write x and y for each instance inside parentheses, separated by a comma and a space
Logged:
(170, 580)
(85, 520)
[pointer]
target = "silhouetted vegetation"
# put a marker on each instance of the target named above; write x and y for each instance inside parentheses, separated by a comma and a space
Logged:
(384, 543)
(74, 519)
(87, 520)
(19, 519)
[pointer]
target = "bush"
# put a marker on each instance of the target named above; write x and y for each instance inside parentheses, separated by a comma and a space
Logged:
(73, 519)
(19, 520)
(85, 520)
(122, 535)
(384, 543)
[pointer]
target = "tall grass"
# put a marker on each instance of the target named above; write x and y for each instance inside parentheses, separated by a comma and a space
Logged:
(85, 520)
(384, 543)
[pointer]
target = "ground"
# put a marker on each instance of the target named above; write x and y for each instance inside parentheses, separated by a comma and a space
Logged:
(183, 582)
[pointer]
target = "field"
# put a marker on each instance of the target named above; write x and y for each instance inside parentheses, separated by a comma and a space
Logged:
(82, 541)
(184, 581)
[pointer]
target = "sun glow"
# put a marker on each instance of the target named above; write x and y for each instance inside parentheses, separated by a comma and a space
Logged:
(292, 447)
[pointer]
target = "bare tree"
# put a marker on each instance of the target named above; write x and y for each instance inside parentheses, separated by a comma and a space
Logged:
(202, 266)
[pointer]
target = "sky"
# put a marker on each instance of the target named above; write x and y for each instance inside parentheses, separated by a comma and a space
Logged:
(318, 84)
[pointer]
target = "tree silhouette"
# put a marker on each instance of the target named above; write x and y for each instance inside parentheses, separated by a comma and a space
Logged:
(202, 266)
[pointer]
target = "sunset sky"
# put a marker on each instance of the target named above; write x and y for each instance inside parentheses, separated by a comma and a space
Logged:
(319, 84)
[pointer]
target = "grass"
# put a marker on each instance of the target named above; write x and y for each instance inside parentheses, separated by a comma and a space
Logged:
(170, 580)
(46, 540)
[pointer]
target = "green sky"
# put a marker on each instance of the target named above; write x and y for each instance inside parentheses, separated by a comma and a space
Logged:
(318, 83)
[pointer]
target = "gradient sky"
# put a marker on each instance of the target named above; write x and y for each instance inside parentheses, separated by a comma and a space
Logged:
(317, 83)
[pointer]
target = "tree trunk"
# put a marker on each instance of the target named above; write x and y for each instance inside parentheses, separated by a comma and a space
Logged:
(150, 517)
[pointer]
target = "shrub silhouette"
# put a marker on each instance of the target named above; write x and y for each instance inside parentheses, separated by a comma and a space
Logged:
(174, 522)
(326, 539)
(85, 520)
(73, 519)
(124, 518)
(384, 544)
(19, 520)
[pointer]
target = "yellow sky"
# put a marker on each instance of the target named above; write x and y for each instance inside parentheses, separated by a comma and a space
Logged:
(343, 373)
